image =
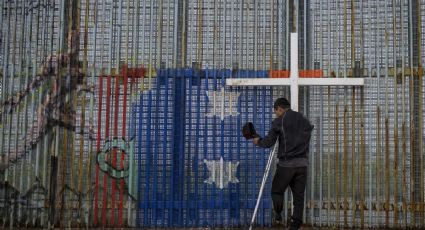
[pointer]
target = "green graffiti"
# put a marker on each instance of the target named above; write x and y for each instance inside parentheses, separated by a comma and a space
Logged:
(104, 158)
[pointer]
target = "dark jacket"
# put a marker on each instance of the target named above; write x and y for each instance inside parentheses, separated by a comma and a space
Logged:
(293, 131)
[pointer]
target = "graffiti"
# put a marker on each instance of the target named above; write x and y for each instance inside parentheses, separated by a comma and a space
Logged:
(221, 172)
(52, 111)
(121, 170)
(105, 158)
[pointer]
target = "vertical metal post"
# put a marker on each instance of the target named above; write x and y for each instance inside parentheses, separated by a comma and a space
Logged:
(160, 21)
(150, 48)
(362, 123)
(223, 35)
(396, 141)
(240, 37)
(99, 119)
(54, 155)
(272, 18)
(369, 29)
(353, 110)
(10, 118)
(4, 93)
(117, 44)
(33, 64)
(403, 128)
(89, 188)
(134, 62)
(200, 45)
(387, 135)
(321, 136)
(337, 163)
(294, 71)
(378, 50)
(144, 38)
(420, 115)
(107, 134)
(83, 107)
(214, 33)
(263, 64)
(411, 121)
(48, 139)
(23, 73)
(255, 35)
(328, 168)
(345, 160)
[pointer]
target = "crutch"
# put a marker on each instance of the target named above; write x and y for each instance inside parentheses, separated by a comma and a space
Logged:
(263, 183)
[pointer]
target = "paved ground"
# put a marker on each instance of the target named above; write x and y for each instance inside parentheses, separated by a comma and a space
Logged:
(273, 228)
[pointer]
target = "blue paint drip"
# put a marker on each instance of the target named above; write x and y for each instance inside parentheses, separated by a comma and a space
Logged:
(238, 147)
(178, 146)
(148, 157)
(139, 159)
(206, 222)
(155, 155)
(222, 147)
(165, 74)
(196, 159)
(214, 140)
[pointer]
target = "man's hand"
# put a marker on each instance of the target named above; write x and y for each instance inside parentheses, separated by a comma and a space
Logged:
(256, 140)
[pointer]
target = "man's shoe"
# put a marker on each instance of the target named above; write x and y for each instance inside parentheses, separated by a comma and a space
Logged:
(295, 224)
(277, 219)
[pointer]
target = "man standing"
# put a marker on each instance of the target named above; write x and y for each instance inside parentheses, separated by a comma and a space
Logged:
(293, 131)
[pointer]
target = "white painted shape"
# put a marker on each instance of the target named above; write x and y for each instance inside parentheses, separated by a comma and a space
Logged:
(213, 172)
(230, 104)
(221, 172)
(331, 81)
(301, 81)
(294, 75)
(222, 103)
(229, 172)
(214, 103)
(257, 81)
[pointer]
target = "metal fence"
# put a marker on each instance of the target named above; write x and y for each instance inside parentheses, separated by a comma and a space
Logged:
(115, 113)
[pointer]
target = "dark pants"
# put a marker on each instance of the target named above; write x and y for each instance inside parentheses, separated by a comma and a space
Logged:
(296, 178)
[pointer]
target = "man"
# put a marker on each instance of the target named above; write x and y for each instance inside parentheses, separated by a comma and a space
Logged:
(293, 131)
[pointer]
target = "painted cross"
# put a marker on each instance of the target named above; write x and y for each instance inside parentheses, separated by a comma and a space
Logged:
(295, 81)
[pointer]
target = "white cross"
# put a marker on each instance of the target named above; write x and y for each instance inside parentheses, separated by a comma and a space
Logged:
(294, 81)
